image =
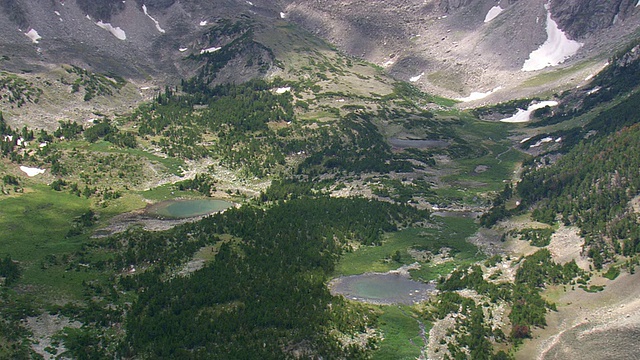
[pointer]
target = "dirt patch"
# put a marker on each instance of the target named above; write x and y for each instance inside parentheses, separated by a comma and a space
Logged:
(44, 327)
(566, 245)
(488, 241)
(635, 204)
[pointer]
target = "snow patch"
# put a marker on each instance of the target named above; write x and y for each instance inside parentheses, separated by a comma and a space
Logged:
(525, 115)
(33, 35)
(554, 51)
(183, 49)
(525, 140)
(210, 50)
(32, 171)
(594, 90)
(115, 31)
(57, 13)
(495, 11)
(283, 90)
(144, 8)
(478, 95)
(542, 141)
(250, 3)
(203, 23)
(283, 15)
(638, 3)
(416, 78)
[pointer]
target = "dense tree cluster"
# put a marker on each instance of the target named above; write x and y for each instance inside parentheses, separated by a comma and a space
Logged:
(265, 296)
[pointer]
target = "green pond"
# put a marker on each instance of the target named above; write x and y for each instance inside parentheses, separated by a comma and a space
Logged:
(188, 208)
(388, 288)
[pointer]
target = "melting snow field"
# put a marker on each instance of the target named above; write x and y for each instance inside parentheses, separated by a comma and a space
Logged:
(416, 78)
(495, 11)
(32, 171)
(478, 95)
(542, 141)
(33, 35)
(525, 115)
(283, 90)
(554, 51)
(115, 31)
(210, 50)
(144, 8)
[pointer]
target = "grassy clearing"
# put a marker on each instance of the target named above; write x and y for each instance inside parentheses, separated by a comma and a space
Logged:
(168, 192)
(33, 226)
(401, 333)
(173, 165)
(553, 76)
(451, 233)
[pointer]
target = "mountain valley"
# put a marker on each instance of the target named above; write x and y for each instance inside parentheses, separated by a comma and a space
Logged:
(484, 151)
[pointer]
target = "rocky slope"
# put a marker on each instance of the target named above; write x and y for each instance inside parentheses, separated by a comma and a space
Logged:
(450, 47)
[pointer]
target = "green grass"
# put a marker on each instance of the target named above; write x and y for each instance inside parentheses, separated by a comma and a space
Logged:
(552, 76)
(174, 165)
(451, 232)
(401, 333)
(433, 272)
(168, 192)
(34, 225)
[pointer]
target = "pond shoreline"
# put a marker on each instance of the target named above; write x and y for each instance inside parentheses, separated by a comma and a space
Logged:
(148, 220)
(392, 287)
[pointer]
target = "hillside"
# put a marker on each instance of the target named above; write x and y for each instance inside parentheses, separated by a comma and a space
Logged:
(207, 179)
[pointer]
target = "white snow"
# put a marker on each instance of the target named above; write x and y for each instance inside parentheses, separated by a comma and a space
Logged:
(283, 90)
(250, 3)
(210, 50)
(203, 23)
(416, 78)
(144, 8)
(525, 115)
(495, 11)
(32, 171)
(554, 51)
(115, 31)
(57, 13)
(559, 139)
(145, 88)
(33, 35)
(283, 15)
(20, 142)
(638, 3)
(43, 144)
(545, 140)
(478, 95)
(525, 140)
(183, 49)
(594, 90)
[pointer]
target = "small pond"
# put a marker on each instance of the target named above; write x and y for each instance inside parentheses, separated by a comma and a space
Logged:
(384, 289)
(181, 209)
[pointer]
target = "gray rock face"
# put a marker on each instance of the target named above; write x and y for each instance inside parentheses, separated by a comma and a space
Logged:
(448, 41)
(451, 5)
(580, 18)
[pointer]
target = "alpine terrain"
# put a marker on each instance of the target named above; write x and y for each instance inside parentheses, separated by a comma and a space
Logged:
(320, 179)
